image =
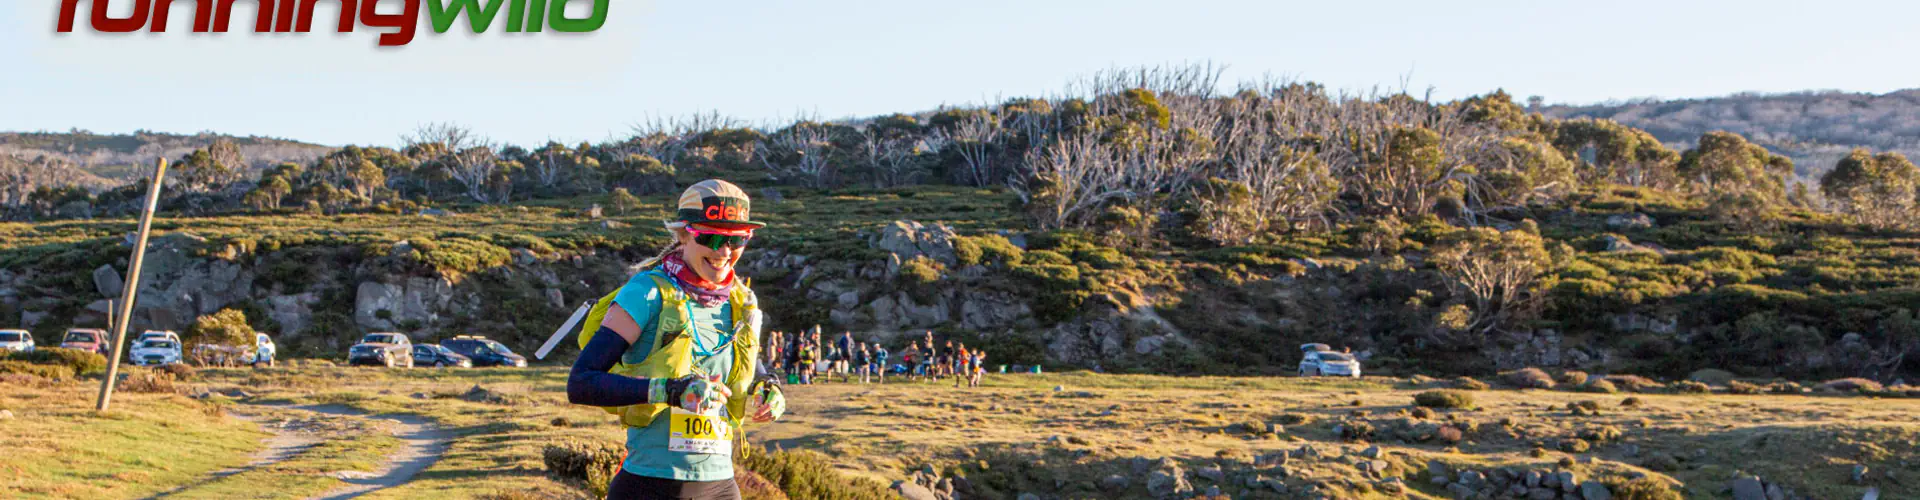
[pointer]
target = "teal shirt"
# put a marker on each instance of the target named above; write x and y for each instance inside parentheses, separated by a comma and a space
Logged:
(647, 453)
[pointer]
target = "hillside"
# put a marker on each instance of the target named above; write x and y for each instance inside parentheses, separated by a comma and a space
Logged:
(1814, 128)
(113, 156)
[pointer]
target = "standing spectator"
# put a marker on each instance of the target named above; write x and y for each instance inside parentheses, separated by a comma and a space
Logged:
(845, 345)
(979, 368)
(862, 361)
(960, 360)
(880, 363)
(911, 357)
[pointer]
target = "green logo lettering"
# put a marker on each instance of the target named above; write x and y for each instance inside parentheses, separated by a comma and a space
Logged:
(479, 18)
(557, 17)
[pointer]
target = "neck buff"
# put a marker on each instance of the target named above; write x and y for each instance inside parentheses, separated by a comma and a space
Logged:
(707, 293)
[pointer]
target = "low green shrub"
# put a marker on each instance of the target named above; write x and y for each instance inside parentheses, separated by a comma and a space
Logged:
(1601, 434)
(807, 475)
(45, 371)
(1645, 488)
(1600, 385)
(1470, 384)
(1444, 399)
(82, 362)
(1572, 378)
(1575, 445)
(594, 464)
(1738, 387)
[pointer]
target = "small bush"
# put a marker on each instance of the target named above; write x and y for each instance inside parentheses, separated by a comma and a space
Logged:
(82, 362)
(1572, 378)
(1528, 378)
(179, 371)
(1294, 419)
(44, 371)
(1444, 399)
(1851, 385)
(808, 475)
(1448, 434)
(1601, 434)
(1738, 387)
(1355, 430)
(1645, 488)
(1600, 385)
(1630, 402)
(1575, 445)
(1470, 384)
(1711, 376)
(754, 487)
(1690, 387)
(1421, 412)
(1633, 383)
(592, 463)
(921, 272)
(1785, 387)
(147, 382)
(1588, 405)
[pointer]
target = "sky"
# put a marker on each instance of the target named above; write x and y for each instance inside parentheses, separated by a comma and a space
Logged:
(772, 61)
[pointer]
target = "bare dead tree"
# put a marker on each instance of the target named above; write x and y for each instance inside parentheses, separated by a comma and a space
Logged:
(467, 159)
(974, 138)
(798, 154)
(1071, 181)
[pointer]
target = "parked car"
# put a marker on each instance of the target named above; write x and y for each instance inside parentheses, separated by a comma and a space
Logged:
(264, 351)
(1319, 360)
(86, 339)
(16, 340)
(484, 352)
(155, 351)
(436, 355)
(385, 348)
(157, 334)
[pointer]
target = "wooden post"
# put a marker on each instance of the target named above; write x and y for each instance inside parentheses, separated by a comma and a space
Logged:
(123, 312)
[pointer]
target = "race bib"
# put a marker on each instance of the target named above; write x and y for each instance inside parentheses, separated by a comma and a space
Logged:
(696, 433)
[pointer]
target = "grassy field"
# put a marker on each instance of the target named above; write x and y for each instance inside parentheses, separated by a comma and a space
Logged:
(1054, 435)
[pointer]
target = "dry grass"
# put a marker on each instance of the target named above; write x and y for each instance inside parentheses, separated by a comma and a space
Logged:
(1018, 435)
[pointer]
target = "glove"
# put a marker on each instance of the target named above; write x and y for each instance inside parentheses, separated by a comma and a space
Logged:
(768, 404)
(694, 393)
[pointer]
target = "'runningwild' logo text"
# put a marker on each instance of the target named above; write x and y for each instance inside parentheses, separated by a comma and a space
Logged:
(296, 16)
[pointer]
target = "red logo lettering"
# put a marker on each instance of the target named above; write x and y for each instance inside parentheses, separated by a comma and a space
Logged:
(713, 212)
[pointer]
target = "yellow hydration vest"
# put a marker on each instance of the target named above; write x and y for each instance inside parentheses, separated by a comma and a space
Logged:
(671, 355)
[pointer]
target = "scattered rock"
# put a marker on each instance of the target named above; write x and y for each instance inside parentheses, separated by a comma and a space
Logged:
(911, 491)
(1115, 482)
(1630, 221)
(1371, 452)
(1593, 490)
(1748, 488)
(1212, 473)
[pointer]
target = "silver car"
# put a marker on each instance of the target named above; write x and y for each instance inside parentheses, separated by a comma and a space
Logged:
(1319, 360)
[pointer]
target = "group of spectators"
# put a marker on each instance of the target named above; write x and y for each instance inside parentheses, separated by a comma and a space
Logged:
(803, 356)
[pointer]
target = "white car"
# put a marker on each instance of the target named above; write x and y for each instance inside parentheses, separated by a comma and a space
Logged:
(1318, 360)
(263, 350)
(157, 334)
(155, 351)
(16, 341)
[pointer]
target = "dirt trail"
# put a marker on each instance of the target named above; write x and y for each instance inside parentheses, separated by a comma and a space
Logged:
(422, 443)
(281, 445)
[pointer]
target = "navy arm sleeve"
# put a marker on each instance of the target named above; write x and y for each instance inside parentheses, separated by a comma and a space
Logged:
(590, 384)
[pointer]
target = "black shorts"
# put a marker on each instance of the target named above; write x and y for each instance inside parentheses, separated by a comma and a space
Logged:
(628, 486)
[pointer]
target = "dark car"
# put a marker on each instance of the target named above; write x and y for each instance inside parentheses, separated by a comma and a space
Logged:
(437, 356)
(86, 339)
(484, 352)
(386, 349)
